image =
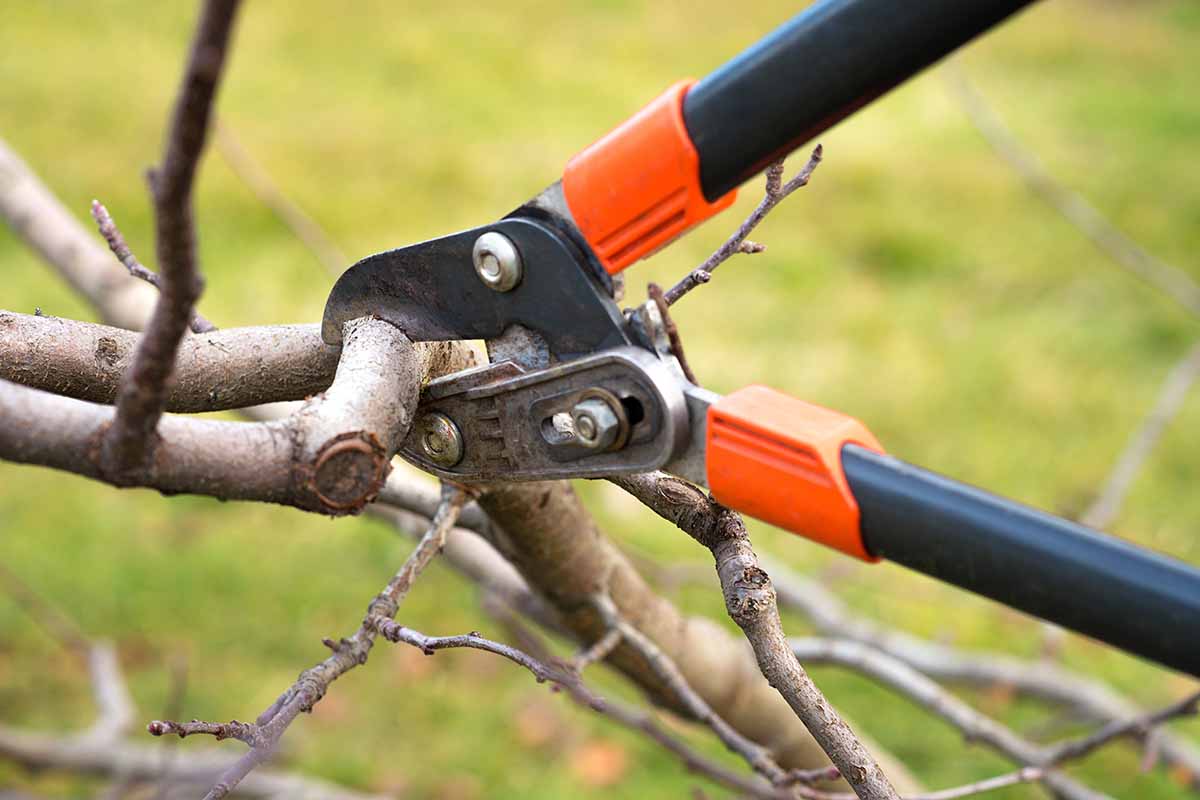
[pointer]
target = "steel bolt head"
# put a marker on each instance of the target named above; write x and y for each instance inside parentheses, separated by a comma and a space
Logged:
(596, 424)
(497, 261)
(440, 439)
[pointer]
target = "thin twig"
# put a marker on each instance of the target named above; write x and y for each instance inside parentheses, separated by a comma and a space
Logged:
(244, 165)
(567, 678)
(1174, 391)
(776, 192)
(264, 733)
(598, 651)
(655, 293)
(1176, 283)
(116, 242)
(1138, 727)
(130, 438)
(757, 756)
(750, 601)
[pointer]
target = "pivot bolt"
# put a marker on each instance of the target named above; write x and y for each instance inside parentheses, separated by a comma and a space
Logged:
(497, 261)
(440, 439)
(596, 425)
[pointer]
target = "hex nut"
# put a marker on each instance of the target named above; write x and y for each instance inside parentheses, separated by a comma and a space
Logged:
(596, 424)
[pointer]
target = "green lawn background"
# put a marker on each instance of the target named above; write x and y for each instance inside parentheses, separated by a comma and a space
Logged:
(916, 284)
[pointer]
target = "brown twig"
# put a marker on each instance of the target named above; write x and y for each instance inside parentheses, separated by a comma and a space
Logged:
(757, 756)
(597, 651)
(566, 677)
(776, 192)
(750, 600)
(116, 242)
(264, 733)
(911, 684)
(130, 439)
(655, 293)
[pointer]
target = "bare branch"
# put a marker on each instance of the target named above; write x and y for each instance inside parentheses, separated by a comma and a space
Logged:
(1082, 695)
(543, 530)
(264, 188)
(750, 600)
(330, 456)
(129, 441)
(264, 734)
(1170, 400)
(598, 651)
(776, 192)
(1138, 727)
(116, 242)
(231, 368)
(38, 217)
(1125, 252)
(757, 756)
(923, 691)
(568, 680)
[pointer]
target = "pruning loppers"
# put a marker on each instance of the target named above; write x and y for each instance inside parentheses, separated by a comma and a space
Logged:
(578, 388)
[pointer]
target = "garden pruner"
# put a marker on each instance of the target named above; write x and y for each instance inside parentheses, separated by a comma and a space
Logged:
(579, 388)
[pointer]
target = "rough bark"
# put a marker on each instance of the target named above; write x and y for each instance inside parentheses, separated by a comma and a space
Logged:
(553, 541)
(224, 369)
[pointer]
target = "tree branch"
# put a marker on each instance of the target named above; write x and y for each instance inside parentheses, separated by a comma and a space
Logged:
(230, 368)
(116, 242)
(264, 734)
(330, 456)
(128, 443)
(750, 600)
(923, 691)
(776, 192)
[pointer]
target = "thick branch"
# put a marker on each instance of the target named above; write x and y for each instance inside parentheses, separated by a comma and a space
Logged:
(231, 368)
(750, 599)
(128, 443)
(330, 456)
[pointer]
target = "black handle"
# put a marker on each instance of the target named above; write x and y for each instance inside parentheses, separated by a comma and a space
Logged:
(1063, 572)
(817, 69)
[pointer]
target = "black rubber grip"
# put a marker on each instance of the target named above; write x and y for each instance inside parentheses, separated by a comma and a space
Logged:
(1139, 601)
(817, 69)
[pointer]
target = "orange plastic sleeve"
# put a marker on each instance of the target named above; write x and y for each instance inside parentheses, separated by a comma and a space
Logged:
(638, 188)
(779, 460)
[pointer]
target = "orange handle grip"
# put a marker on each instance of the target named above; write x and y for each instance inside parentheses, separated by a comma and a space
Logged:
(779, 460)
(638, 188)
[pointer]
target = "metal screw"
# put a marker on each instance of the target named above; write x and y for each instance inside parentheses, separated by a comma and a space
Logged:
(497, 261)
(440, 439)
(596, 425)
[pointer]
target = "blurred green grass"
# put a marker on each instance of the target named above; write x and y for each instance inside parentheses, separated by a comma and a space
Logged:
(915, 283)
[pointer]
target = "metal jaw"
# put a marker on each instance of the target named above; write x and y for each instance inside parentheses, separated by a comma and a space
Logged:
(457, 288)
(618, 411)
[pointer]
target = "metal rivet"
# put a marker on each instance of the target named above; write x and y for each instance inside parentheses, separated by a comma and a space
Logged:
(596, 426)
(440, 439)
(497, 261)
